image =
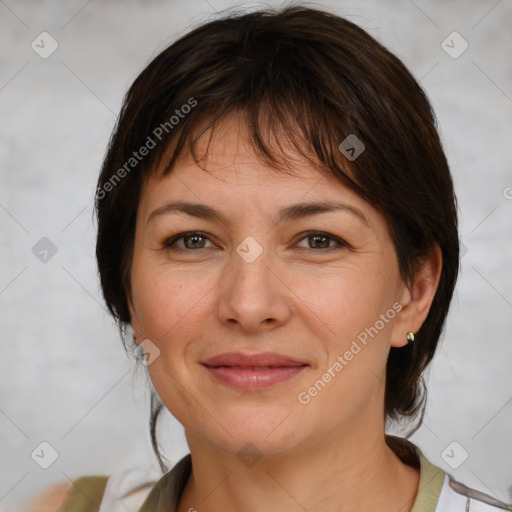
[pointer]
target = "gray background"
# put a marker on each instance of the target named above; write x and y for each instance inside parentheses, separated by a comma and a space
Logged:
(65, 378)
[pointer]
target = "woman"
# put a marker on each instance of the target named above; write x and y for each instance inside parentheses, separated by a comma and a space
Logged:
(277, 229)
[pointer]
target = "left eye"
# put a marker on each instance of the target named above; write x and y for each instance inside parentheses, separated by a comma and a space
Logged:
(321, 240)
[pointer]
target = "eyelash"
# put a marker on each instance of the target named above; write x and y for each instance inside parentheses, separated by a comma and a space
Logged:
(168, 244)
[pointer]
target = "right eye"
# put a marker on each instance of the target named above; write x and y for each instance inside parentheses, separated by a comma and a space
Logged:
(191, 240)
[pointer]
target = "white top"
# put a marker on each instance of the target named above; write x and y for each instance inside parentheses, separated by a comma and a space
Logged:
(466, 500)
(126, 491)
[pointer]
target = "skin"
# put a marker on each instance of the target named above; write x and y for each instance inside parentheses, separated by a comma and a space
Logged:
(295, 299)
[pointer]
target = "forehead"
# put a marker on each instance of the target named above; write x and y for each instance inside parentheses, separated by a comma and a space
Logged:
(227, 159)
(228, 145)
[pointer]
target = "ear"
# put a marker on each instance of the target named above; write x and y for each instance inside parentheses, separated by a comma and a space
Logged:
(416, 298)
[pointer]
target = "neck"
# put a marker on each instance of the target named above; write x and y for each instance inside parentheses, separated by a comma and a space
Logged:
(339, 473)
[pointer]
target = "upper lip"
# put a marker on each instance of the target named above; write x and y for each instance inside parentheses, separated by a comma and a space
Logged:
(252, 360)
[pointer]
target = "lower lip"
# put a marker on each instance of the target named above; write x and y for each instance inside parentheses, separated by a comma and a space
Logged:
(251, 379)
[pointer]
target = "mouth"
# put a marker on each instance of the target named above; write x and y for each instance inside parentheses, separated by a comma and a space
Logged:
(253, 372)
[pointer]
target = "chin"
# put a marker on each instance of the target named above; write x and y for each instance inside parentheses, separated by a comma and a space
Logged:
(268, 432)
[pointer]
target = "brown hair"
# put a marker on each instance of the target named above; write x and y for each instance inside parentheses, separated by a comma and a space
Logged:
(311, 78)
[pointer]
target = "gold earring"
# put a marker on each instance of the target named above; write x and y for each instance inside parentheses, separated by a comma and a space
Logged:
(410, 338)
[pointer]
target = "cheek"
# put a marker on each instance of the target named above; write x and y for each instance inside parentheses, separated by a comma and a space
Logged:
(168, 301)
(348, 306)
(345, 301)
(344, 309)
(170, 306)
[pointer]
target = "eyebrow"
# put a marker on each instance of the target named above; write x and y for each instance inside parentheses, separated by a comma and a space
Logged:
(293, 212)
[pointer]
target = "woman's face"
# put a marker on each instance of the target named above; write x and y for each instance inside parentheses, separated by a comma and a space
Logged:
(261, 281)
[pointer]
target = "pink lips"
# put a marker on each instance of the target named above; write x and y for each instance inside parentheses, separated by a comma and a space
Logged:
(253, 372)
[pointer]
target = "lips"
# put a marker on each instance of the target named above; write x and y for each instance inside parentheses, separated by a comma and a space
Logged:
(262, 360)
(254, 372)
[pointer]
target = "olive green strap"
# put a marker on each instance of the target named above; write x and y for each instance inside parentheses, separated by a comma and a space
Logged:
(430, 486)
(431, 477)
(85, 494)
(165, 495)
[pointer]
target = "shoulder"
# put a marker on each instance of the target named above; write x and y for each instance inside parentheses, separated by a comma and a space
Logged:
(50, 500)
(84, 493)
(457, 496)
(91, 493)
(438, 491)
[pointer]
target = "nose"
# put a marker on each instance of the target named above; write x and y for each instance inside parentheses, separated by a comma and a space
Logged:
(253, 296)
